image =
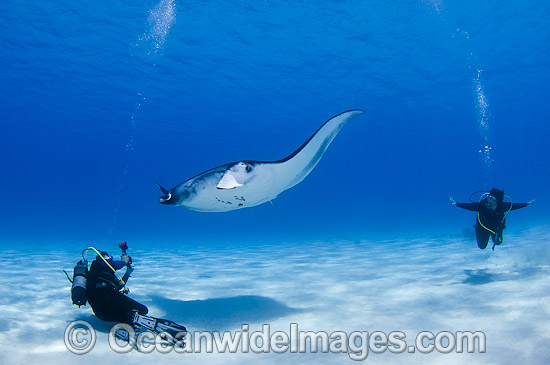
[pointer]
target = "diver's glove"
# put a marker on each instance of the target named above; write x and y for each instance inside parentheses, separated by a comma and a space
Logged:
(129, 269)
(529, 202)
(453, 202)
(127, 259)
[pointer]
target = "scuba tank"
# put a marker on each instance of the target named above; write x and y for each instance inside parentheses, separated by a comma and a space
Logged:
(80, 279)
(80, 276)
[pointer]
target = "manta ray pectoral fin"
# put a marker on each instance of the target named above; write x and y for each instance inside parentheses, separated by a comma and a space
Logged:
(234, 177)
(228, 181)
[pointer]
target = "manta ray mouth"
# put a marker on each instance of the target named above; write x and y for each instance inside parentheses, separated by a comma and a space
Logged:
(165, 199)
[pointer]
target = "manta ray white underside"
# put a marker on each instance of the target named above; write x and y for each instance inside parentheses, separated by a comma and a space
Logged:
(249, 183)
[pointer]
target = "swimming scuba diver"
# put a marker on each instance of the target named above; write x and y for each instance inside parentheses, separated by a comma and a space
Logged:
(491, 215)
(106, 291)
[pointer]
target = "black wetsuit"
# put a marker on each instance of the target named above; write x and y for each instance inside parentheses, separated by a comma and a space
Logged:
(104, 295)
(493, 222)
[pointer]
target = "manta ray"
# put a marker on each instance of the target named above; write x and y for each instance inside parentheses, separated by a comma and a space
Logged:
(248, 183)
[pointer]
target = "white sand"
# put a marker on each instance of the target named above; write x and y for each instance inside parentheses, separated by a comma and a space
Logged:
(434, 284)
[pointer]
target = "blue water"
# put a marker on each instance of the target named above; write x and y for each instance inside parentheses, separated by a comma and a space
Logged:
(101, 101)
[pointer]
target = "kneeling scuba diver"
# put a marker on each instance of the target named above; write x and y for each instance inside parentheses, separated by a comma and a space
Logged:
(106, 291)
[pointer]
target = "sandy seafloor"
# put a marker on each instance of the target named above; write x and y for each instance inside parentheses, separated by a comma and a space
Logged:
(433, 284)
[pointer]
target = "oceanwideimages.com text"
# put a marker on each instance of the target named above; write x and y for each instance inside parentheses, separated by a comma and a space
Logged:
(357, 344)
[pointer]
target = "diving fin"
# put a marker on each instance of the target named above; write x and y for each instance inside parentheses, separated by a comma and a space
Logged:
(168, 330)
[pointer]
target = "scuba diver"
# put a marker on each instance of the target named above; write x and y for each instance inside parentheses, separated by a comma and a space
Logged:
(106, 291)
(491, 215)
